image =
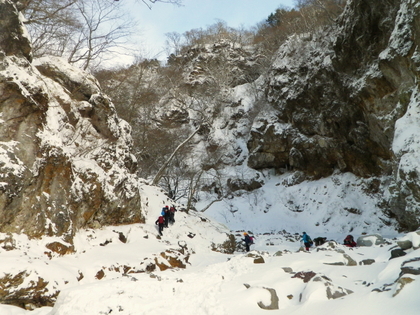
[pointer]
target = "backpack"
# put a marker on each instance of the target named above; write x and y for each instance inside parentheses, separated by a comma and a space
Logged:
(310, 240)
(251, 240)
(349, 238)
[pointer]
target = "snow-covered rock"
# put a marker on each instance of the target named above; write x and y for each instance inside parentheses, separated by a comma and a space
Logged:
(65, 155)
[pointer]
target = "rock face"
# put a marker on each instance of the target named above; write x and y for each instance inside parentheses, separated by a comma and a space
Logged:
(338, 100)
(65, 154)
(329, 108)
(13, 38)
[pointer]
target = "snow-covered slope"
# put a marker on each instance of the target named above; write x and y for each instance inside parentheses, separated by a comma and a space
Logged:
(275, 275)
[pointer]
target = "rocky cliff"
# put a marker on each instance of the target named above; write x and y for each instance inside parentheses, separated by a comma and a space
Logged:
(337, 96)
(342, 99)
(65, 154)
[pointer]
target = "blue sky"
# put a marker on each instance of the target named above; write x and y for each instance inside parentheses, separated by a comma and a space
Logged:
(166, 18)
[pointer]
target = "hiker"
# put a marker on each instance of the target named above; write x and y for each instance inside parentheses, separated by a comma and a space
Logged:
(306, 239)
(349, 241)
(166, 215)
(161, 223)
(248, 241)
(319, 241)
(172, 210)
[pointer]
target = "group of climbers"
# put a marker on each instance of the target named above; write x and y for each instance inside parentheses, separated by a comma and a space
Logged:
(307, 241)
(166, 216)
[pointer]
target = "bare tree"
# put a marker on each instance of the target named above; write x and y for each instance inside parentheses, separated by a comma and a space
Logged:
(51, 24)
(104, 28)
(85, 32)
(161, 171)
(173, 43)
(149, 3)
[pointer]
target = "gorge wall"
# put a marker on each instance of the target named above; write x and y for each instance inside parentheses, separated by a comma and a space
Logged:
(341, 99)
(337, 96)
(65, 159)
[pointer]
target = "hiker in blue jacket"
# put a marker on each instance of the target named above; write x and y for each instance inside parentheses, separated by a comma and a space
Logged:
(306, 239)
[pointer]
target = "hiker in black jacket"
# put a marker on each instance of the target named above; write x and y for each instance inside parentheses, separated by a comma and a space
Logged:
(248, 241)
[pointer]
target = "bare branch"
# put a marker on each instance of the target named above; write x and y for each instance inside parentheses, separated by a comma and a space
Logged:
(165, 165)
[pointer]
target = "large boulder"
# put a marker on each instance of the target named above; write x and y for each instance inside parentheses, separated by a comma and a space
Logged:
(410, 240)
(370, 240)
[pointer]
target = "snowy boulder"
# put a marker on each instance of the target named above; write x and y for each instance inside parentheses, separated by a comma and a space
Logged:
(227, 247)
(172, 259)
(411, 240)
(77, 82)
(60, 248)
(397, 253)
(274, 305)
(347, 261)
(411, 266)
(366, 262)
(401, 284)
(27, 289)
(318, 282)
(370, 240)
(259, 260)
(306, 276)
(405, 244)
(244, 184)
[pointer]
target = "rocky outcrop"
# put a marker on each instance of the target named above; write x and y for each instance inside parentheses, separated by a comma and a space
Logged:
(65, 154)
(26, 290)
(315, 282)
(323, 120)
(335, 100)
(410, 269)
(14, 40)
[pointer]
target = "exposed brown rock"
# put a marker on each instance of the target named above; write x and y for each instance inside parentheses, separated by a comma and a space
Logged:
(100, 274)
(34, 294)
(60, 248)
(67, 154)
(305, 276)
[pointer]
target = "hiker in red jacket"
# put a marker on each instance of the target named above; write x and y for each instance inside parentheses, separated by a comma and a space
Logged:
(161, 224)
(172, 214)
(349, 241)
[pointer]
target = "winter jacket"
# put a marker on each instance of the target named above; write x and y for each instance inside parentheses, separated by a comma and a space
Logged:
(160, 220)
(247, 239)
(305, 238)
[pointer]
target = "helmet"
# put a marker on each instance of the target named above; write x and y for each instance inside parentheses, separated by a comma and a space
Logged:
(245, 233)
